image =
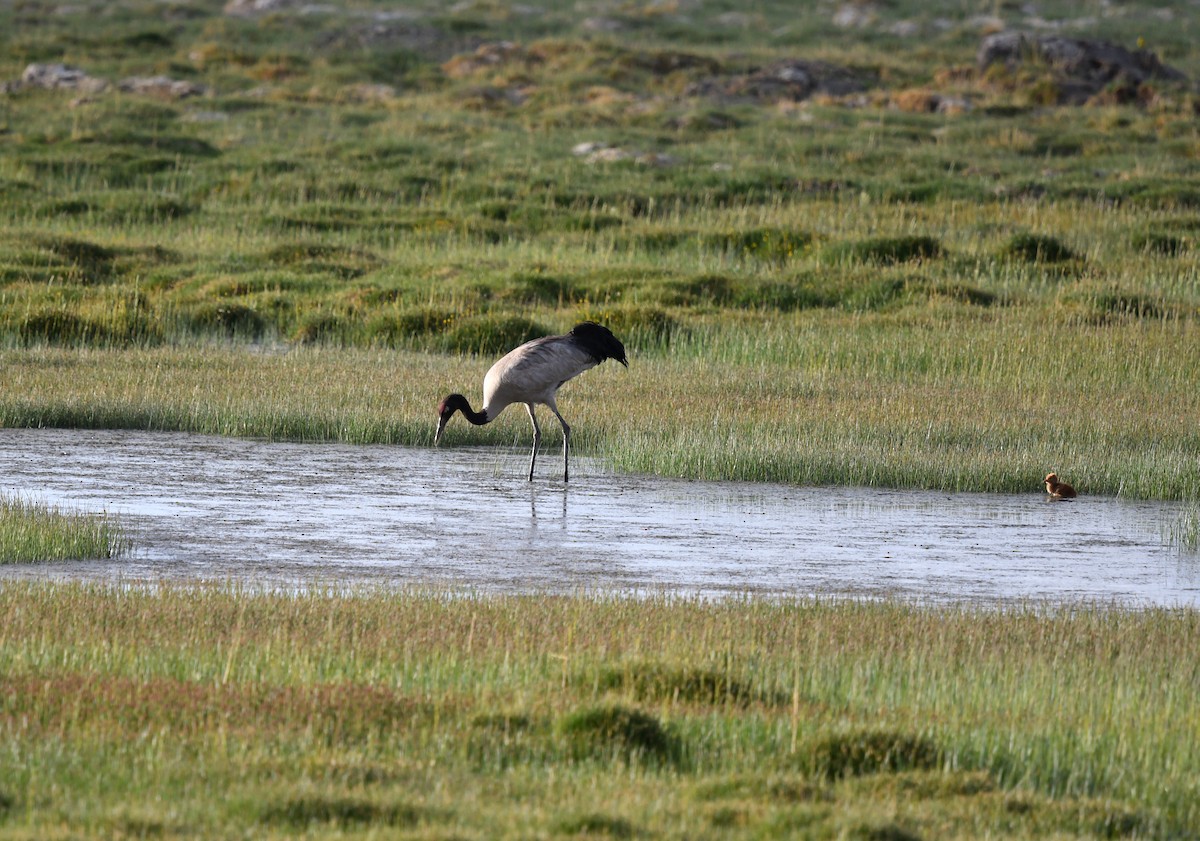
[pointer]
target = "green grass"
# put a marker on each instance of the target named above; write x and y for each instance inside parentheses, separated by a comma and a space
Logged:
(32, 531)
(217, 712)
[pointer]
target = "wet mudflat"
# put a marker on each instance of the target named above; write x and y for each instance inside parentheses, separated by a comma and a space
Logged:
(201, 507)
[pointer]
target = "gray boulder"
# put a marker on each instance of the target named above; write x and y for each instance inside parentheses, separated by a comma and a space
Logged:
(61, 77)
(162, 87)
(1084, 67)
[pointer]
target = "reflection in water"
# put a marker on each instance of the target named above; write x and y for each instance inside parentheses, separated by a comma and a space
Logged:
(554, 498)
(250, 510)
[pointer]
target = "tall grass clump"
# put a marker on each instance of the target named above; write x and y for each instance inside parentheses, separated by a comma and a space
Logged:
(33, 531)
(1037, 248)
(1184, 533)
(887, 250)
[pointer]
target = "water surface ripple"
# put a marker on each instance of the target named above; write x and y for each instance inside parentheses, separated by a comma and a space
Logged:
(232, 509)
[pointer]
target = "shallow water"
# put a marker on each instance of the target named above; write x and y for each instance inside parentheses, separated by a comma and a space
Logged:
(230, 509)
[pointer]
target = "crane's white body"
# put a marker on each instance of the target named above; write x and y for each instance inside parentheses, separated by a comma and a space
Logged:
(532, 374)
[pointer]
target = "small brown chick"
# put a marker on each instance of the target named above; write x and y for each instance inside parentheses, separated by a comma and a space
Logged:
(1057, 489)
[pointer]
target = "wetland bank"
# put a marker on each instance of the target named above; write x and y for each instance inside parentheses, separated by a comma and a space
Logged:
(843, 252)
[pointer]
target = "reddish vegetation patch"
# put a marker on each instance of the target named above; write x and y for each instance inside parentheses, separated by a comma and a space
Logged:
(121, 705)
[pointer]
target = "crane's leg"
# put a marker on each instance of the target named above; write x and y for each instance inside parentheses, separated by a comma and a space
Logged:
(537, 438)
(566, 441)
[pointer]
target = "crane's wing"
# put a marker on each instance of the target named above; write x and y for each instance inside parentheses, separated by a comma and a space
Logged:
(533, 372)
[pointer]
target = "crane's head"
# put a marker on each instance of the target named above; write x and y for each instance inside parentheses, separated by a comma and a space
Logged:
(446, 409)
(599, 341)
(445, 412)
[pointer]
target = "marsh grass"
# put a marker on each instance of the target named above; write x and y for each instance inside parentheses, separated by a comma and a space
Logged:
(31, 531)
(860, 752)
(1185, 531)
(468, 715)
(1037, 248)
(614, 731)
(887, 250)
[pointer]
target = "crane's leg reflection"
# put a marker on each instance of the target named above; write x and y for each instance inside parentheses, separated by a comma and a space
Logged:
(533, 509)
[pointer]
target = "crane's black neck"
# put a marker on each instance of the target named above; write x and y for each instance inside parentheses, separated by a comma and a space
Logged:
(458, 403)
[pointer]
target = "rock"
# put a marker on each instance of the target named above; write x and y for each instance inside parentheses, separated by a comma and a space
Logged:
(368, 93)
(737, 20)
(930, 102)
(249, 8)
(789, 80)
(587, 148)
(905, 29)
(854, 15)
(162, 87)
(602, 25)
(205, 117)
(1084, 67)
(656, 159)
(256, 8)
(61, 77)
(603, 154)
(491, 96)
(607, 155)
(953, 104)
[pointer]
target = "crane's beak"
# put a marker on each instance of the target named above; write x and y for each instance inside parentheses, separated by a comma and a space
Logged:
(437, 436)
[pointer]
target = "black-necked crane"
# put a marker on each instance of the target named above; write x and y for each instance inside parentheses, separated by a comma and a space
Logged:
(532, 374)
(1057, 489)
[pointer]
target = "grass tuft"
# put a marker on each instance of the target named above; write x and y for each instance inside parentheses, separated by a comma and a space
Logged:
(86, 261)
(593, 824)
(337, 809)
(886, 250)
(230, 320)
(321, 328)
(883, 832)
(1157, 242)
(770, 245)
(653, 682)
(56, 327)
(490, 335)
(1037, 248)
(617, 732)
(860, 752)
(1185, 531)
(32, 532)
(639, 327)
